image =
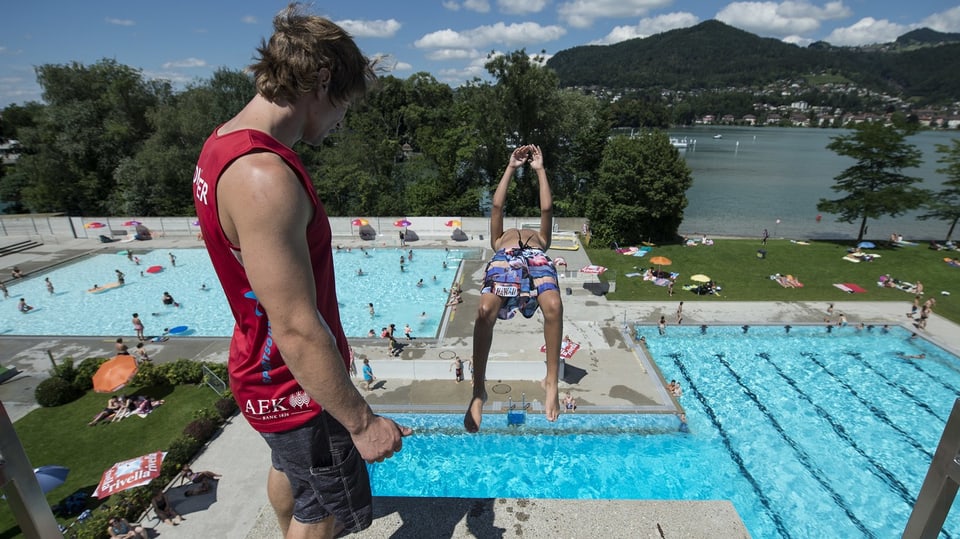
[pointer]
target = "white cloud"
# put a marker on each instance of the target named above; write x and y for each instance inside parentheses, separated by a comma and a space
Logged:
(582, 13)
(500, 34)
(781, 18)
(800, 41)
(480, 6)
(867, 31)
(648, 27)
(248, 19)
(945, 21)
(452, 54)
(513, 7)
(402, 66)
(186, 62)
(120, 22)
(377, 28)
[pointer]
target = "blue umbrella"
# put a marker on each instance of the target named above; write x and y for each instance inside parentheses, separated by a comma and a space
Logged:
(51, 477)
(866, 245)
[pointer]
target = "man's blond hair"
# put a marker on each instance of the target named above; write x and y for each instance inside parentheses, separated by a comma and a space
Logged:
(289, 63)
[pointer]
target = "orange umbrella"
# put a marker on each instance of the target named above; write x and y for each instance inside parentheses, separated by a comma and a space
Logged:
(114, 373)
(454, 223)
(359, 222)
(661, 261)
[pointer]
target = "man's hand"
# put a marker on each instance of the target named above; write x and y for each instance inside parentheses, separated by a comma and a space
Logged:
(519, 156)
(380, 439)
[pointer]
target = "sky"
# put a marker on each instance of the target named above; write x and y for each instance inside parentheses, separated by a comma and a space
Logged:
(185, 42)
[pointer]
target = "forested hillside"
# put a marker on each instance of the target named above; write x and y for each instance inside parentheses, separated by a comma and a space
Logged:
(714, 55)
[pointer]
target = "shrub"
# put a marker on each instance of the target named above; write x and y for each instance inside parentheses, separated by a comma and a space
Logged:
(226, 407)
(64, 370)
(56, 391)
(85, 371)
(200, 429)
(183, 371)
(149, 375)
(180, 452)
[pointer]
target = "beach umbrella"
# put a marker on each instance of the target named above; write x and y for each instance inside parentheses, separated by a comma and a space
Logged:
(359, 222)
(454, 223)
(866, 245)
(115, 373)
(132, 223)
(661, 261)
(700, 278)
(402, 223)
(94, 224)
(131, 473)
(51, 477)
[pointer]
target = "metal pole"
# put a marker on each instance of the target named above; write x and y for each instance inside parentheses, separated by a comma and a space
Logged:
(940, 486)
(19, 483)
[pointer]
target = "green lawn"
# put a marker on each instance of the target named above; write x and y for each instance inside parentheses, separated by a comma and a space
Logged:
(61, 436)
(734, 265)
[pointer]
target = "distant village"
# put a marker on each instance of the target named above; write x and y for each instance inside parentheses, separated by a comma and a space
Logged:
(801, 113)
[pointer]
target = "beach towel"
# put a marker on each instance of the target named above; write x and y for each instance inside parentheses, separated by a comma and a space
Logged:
(853, 259)
(593, 269)
(567, 349)
(634, 274)
(850, 288)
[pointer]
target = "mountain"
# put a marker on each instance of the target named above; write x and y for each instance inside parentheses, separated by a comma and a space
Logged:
(713, 55)
(926, 36)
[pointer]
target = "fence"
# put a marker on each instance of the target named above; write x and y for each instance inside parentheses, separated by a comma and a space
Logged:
(53, 227)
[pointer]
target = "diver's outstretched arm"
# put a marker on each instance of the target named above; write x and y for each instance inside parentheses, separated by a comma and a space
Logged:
(546, 198)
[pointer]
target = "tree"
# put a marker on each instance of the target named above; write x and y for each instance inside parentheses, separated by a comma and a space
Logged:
(156, 180)
(96, 116)
(640, 191)
(875, 185)
(945, 204)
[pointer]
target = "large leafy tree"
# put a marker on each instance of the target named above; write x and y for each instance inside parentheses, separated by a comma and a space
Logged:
(157, 180)
(640, 190)
(875, 185)
(95, 117)
(945, 204)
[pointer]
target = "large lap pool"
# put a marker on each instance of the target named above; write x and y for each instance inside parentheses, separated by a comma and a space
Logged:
(72, 310)
(810, 434)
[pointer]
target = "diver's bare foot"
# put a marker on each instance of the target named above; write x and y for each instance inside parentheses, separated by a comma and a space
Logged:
(552, 402)
(474, 415)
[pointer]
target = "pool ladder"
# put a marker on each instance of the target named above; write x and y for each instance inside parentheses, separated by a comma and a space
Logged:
(517, 413)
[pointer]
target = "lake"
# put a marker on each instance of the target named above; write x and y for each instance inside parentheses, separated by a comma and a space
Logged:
(753, 176)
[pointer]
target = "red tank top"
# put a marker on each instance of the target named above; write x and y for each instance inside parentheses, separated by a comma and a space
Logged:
(265, 389)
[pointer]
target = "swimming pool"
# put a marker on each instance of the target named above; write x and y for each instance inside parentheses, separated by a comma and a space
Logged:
(72, 310)
(809, 434)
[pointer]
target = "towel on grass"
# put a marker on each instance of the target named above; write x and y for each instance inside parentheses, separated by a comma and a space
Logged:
(850, 288)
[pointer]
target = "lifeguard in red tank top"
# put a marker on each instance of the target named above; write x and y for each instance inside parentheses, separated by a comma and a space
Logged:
(265, 389)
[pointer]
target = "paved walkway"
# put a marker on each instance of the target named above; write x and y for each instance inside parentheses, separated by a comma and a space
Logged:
(610, 373)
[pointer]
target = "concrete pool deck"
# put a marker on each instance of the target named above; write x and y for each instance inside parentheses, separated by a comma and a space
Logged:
(610, 373)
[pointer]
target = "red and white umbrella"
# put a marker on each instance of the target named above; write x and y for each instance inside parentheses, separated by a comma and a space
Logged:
(402, 223)
(131, 473)
(132, 223)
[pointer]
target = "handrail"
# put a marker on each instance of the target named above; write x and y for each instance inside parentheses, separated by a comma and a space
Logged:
(940, 486)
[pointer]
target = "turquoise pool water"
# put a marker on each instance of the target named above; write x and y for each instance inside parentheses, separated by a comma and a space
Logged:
(808, 433)
(72, 310)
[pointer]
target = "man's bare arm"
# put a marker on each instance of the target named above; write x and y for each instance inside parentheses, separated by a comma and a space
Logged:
(263, 203)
